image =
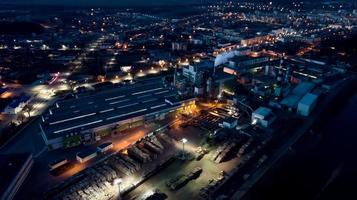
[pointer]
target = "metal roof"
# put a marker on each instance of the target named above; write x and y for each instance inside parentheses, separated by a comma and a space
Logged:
(308, 99)
(297, 93)
(106, 107)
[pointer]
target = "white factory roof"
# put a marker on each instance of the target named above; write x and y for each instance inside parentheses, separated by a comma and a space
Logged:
(308, 99)
(297, 93)
(262, 112)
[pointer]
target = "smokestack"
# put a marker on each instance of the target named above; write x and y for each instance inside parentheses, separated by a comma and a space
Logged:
(175, 75)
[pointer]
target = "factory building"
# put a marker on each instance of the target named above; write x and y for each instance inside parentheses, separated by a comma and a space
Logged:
(105, 147)
(89, 118)
(195, 71)
(86, 155)
(179, 46)
(263, 116)
(307, 104)
(224, 57)
(242, 61)
(240, 64)
(292, 99)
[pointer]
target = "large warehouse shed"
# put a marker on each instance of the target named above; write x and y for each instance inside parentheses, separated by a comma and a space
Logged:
(90, 117)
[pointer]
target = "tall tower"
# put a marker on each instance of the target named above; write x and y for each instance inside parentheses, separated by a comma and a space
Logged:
(279, 77)
(209, 86)
(175, 74)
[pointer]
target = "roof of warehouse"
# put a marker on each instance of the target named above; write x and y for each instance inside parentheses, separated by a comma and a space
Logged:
(263, 111)
(308, 99)
(297, 93)
(106, 107)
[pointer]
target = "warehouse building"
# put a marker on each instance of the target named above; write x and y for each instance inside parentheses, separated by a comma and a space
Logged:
(292, 99)
(263, 116)
(87, 155)
(307, 104)
(105, 147)
(89, 118)
(244, 63)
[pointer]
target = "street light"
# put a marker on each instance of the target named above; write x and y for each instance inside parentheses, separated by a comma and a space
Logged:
(184, 140)
(118, 181)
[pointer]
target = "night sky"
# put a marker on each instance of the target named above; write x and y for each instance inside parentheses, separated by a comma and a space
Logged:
(135, 2)
(102, 2)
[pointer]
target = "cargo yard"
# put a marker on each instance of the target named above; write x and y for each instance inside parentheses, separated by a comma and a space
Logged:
(176, 161)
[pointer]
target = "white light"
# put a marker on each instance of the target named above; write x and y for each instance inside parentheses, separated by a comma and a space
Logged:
(125, 114)
(162, 92)
(116, 102)
(148, 193)
(112, 98)
(107, 110)
(78, 126)
(254, 121)
(146, 101)
(73, 118)
(158, 106)
(118, 181)
(184, 140)
(146, 91)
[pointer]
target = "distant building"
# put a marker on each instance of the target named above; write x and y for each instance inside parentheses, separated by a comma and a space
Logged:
(227, 54)
(244, 61)
(257, 40)
(240, 64)
(190, 72)
(179, 46)
(14, 170)
(195, 71)
(199, 91)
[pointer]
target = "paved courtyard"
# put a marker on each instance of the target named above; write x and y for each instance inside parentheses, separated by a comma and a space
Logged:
(191, 190)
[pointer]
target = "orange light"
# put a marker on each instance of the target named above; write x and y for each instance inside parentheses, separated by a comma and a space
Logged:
(6, 95)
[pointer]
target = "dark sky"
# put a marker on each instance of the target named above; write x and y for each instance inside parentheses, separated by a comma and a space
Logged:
(101, 2)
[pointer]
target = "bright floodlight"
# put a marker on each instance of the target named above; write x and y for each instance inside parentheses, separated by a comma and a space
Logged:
(254, 121)
(184, 140)
(117, 181)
